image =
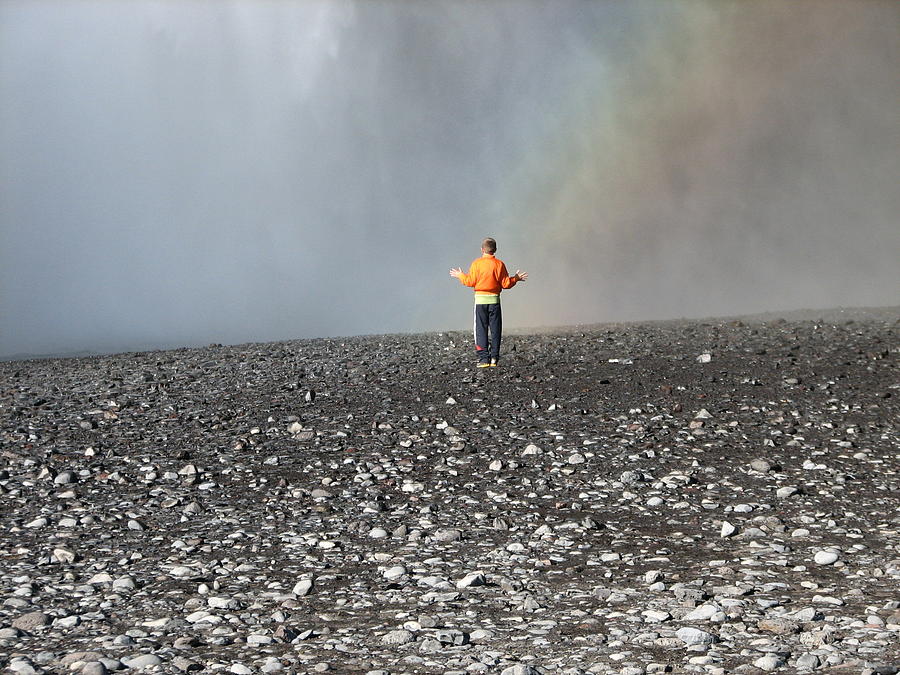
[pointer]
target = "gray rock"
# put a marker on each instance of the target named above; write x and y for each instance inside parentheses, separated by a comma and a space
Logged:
(761, 465)
(31, 621)
(769, 662)
(807, 661)
(694, 636)
(520, 669)
(142, 661)
(471, 579)
(398, 637)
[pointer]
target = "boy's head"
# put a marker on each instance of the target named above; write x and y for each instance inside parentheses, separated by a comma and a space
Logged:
(489, 246)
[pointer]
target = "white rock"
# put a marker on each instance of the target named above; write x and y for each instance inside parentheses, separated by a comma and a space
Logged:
(826, 557)
(181, 571)
(694, 636)
(398, 637)
(727, 529)
(394, 572)
(63, 555)
(99, 579)
(303, 587)
(520, 669)
(471, 579)
(768, 662)
(702, 613)
(655, 616)
(142, 661)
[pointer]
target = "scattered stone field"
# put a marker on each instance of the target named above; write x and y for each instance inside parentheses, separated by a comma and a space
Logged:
(717, 496)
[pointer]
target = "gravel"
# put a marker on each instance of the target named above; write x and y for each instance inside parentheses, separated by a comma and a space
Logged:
(606, 501)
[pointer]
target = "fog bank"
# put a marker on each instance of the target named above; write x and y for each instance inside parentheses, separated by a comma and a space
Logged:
(194, 172)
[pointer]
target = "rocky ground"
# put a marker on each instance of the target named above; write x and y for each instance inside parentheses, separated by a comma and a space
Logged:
(709, 497)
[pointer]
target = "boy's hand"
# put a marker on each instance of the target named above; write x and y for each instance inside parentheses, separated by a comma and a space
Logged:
(521, 276)
(455, 272)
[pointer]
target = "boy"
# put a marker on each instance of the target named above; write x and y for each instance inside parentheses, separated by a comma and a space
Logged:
(488, 276)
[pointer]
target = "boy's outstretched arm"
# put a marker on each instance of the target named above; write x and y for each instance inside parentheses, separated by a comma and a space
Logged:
(464, 279)
(507, 281)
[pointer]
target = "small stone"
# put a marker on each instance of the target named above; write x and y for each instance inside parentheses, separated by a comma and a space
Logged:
(394, 572)
(398, 637)
(471, 579)
(303, 587)
(31, 621)
(142, 661)
(181, 571)
(256, 640)
(377, 533)
(702, 613)
(655, 616)
(520, 669)
(22, 667)
(768, 662)
(808, 661)
(778, 626)
(447, 535)
(64, 555)
(694, 636)
(727, 529)
(826, 557)
(761, 465)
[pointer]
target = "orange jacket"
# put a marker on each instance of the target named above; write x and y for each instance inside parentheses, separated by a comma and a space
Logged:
(488, 274)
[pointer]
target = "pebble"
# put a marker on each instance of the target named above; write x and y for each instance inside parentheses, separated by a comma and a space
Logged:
(694, 636)
(303, 587)
(826, 557)
(31, 621)
(142, 661)
(398, 637)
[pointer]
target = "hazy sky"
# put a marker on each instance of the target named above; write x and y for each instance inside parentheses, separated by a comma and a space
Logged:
(180, 173)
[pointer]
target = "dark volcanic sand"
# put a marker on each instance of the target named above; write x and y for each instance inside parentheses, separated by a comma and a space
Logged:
(167, 503)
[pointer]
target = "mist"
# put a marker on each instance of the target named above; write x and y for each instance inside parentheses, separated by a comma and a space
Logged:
(176, 174)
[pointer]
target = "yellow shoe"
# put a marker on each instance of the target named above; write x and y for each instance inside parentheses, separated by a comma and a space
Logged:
(484, 365)
(494, 363)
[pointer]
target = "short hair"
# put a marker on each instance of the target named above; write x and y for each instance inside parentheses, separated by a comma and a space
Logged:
(489, 245)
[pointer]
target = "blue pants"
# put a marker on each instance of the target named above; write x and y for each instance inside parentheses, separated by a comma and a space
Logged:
(488, 320)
